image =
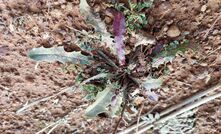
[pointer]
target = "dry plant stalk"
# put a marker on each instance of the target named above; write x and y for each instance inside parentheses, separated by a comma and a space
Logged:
(180, 111)
(188, 104)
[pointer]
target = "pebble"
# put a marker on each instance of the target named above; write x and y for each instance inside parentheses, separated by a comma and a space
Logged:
(165, 28)
(215, 32)
(203, 8)
(173, 31)
(218, 60)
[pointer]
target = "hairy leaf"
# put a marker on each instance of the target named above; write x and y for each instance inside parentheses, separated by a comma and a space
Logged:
(119, 27)
(151, 83)
(138, 6)
(90, 17)
(103, 99)
(57, 54)
(98, 24)
(90, 96)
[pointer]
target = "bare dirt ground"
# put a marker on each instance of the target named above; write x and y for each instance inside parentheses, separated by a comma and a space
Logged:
(25, 24)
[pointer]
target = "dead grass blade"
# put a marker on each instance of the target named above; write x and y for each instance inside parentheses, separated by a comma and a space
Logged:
(72, 88)
(26, 106)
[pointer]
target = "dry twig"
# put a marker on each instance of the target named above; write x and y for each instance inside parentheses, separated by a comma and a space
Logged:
(124, 107)
(214, 23)
(138, 118)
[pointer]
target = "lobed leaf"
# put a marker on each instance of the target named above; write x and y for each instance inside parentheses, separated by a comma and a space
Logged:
(86, 11)
(103, 99)
(98, 24)
(151, 83)
(57, 54)
(165, 53)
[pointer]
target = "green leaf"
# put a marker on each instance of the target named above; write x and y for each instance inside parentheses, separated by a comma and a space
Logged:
(90, 88)
(143, 5)
(174, 47)
(103, 99)
(169, 52)
(57, 54)
(79, 78)
(151, 83)
(91, 91)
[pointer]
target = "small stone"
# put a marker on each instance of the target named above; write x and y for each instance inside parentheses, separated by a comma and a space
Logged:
(63, 6)
(215, 32)
(218, 60)
(204, 64)
(208, 11)
(203, 8)
(173, 31)
(217, 42)
(165, 28)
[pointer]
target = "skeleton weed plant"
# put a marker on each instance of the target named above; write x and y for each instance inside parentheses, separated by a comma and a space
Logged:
(106, 71)
(110, 79)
